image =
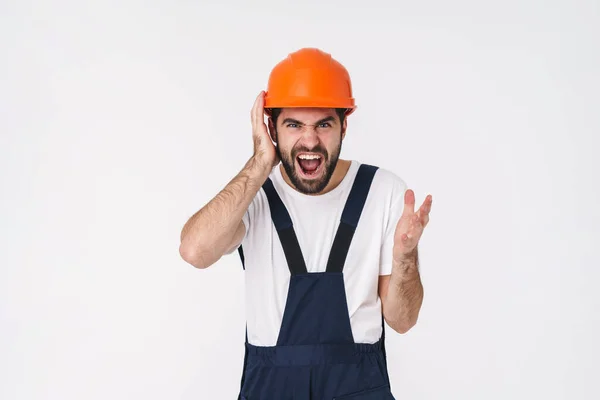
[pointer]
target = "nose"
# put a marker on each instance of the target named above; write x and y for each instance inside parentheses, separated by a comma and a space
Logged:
(310, 137)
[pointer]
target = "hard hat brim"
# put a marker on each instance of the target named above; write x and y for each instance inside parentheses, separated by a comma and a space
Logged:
(303, 102)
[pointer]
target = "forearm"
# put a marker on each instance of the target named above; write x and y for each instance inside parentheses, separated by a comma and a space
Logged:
(405, 293)
(208, 233)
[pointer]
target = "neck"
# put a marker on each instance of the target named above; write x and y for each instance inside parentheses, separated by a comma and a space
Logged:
(340, 171)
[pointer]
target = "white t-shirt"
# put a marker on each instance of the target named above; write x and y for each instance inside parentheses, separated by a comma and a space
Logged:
(316, 219)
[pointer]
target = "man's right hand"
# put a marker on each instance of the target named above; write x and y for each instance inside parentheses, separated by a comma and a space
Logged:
(218, 227)
(264, 149)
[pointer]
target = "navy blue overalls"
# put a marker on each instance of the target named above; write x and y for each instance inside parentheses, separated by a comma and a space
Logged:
(315, 357)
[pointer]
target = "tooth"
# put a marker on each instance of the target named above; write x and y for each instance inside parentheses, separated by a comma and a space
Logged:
(310, 157)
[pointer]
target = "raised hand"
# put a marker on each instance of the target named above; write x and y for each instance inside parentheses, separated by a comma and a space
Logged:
(264, 149)
(411, 225)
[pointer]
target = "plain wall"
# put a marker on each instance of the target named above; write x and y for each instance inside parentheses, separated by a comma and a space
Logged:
(120, 119)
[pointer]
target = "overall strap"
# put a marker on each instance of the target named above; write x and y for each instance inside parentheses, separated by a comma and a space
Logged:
(285, 230)
(242, 258)
(350, 217)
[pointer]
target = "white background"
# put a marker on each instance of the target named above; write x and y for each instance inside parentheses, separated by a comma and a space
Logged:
(119, 119)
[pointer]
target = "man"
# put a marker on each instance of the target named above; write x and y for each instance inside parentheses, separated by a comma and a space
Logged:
(329, 246)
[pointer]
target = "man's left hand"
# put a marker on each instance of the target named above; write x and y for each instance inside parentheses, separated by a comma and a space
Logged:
(410, 226)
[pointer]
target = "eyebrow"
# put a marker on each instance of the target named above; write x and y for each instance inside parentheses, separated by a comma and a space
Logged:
(291, 121)
(330, 118)
(295, 121)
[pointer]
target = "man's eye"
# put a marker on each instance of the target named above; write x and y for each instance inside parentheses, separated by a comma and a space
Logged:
(292, 125)
(325, 125)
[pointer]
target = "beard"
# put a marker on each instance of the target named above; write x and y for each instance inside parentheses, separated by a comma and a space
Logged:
(312, 186)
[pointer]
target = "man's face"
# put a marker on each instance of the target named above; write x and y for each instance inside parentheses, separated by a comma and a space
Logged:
(309, 142)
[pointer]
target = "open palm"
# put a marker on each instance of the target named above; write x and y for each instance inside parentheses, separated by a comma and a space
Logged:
(411, 225)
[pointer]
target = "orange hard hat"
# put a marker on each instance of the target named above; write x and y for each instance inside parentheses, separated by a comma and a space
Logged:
(309, 77)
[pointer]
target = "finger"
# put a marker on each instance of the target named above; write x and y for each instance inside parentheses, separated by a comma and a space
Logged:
(428, 201)
(426, 206)
(415, 226)
(425, 220)
(253, 113)
(422, 216)
(260, 109)
(418, 225)
(257, 109)
(409, 202)
(418, 231)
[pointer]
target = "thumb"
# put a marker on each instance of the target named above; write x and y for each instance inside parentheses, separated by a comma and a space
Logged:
(409, 202)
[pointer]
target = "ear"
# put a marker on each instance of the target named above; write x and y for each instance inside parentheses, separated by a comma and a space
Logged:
(272, 130)
(344, 127)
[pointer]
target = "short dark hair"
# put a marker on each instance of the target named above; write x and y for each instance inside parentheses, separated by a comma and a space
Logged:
(341, 112)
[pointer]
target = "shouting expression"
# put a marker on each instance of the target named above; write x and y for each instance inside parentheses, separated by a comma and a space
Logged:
(309, 141)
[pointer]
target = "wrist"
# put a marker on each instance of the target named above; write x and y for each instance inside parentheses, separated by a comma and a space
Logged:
(261, 165)
(406, 260)
(401, 256)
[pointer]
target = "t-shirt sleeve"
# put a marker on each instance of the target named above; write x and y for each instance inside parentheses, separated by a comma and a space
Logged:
(246, 221)
(393, 216)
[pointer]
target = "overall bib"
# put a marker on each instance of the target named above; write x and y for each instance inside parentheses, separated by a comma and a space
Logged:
(315, 357)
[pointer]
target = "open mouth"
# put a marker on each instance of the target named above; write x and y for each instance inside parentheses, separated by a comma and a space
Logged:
(310, 164)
